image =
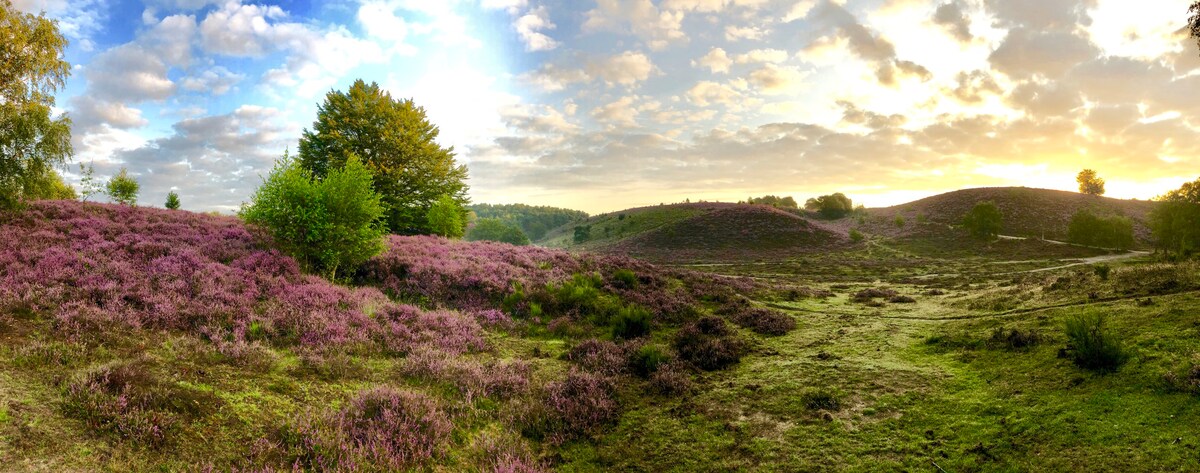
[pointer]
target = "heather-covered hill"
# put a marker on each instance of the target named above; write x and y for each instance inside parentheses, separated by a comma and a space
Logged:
(703, 232)
(143, 339)
(1027, 211)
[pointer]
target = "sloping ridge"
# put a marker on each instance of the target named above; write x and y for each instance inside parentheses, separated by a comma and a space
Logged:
(729, 233)
(1027, 211)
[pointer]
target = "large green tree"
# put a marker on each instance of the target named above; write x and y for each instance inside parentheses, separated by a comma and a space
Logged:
(1175, 221)
(396, 141)
(984, 221)
(32, 142)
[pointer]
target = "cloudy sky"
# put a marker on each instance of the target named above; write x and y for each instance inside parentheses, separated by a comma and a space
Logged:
(606, 104)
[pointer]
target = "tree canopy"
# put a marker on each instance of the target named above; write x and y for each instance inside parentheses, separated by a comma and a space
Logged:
(446, 218)
(494, 229)
(396, 142)
(1089, 182)
(534, 221)
(123, 189)
(775, 201)
(1087, 228)
(835, 205)
(984, 220)
(172, 201)
(32, 142)
(1176, 220)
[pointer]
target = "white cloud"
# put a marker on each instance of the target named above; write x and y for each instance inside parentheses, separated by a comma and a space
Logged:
(716, 61)
(659, 28)
(626, 69)
(529, 27)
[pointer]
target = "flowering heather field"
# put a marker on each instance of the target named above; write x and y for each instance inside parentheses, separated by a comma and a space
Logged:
(151, 339)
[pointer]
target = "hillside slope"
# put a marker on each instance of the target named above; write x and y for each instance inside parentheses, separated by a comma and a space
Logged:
(1027, 211)
(702, 232)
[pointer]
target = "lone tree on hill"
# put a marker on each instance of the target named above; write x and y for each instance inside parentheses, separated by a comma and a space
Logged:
(396, 142)
(123, 189)
(984, 221)
(172, 201)
(32, 142)
(835, 205)
(1090, 183)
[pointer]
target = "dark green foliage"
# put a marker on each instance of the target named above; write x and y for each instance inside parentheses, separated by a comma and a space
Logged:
(984, 221)
(822, 399)
(630, 322)
(534, 221)
(1089, 229)
(446, 217)
(1176, 220)
(327, 225)
(624, 279)
(172, 201)
(831, 206)
(396, 142)
(899, 221)
(774, 201)
(32, 142)
(1014, 339)
(583, 233)
(1092, 346)
(123, 189)
(856, 236)
(1102, 271)
(647, 360)
(494, 229)
(1090, 183)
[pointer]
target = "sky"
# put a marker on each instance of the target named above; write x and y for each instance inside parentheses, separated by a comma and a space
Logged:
(601, 105)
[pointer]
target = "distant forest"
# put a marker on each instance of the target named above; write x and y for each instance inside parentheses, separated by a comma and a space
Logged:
(534, 221)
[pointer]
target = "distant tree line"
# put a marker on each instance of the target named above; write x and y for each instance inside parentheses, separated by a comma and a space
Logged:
(786, 202)
(1175, 221)
(1090, 229)
(831, 206)
(534, 221)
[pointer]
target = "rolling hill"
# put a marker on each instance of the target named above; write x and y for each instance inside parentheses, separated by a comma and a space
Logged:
(700, 232)
(1027, 211)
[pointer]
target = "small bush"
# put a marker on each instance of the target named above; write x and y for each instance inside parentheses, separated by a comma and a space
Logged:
(647, 359)
(1014, 338)
(765, 321)
(822, 399)
(631, 322)
(598, 356)
(582, 403)
(899, 221)
(1102, 271)
(1186, 380)
(172, 201)
(708, 344)
(856, 236)
(1092, 346)
(670, 379)
(624, 279)
(123, 189)
(866, 295)
(901, 299)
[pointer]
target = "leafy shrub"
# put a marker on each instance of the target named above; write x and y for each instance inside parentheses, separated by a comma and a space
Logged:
(1102, 271)
(647, 359)
(1092, 346)
(328, 224)
(1087, 228)
(123, 189)
(446, 217)
(984, 221)
(582, 234)
(856, 236)
(899, 221)
(494, 229)
(765, 321)
(630, 322)
(822, 399)
(1175, 221)
(708, 344)
(624, 279)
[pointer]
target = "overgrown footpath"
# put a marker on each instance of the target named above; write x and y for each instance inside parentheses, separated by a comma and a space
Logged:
(143, 339)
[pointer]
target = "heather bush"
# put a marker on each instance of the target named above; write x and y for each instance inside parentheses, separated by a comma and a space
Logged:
(598, 356)
(708, 344)
(504, 453)
(671, 379)
(1093, 346)
(866, 295)
(470, 378)
(381, 429)
(129, 400)
(330, 224)
(581, 403)
(764, 321)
